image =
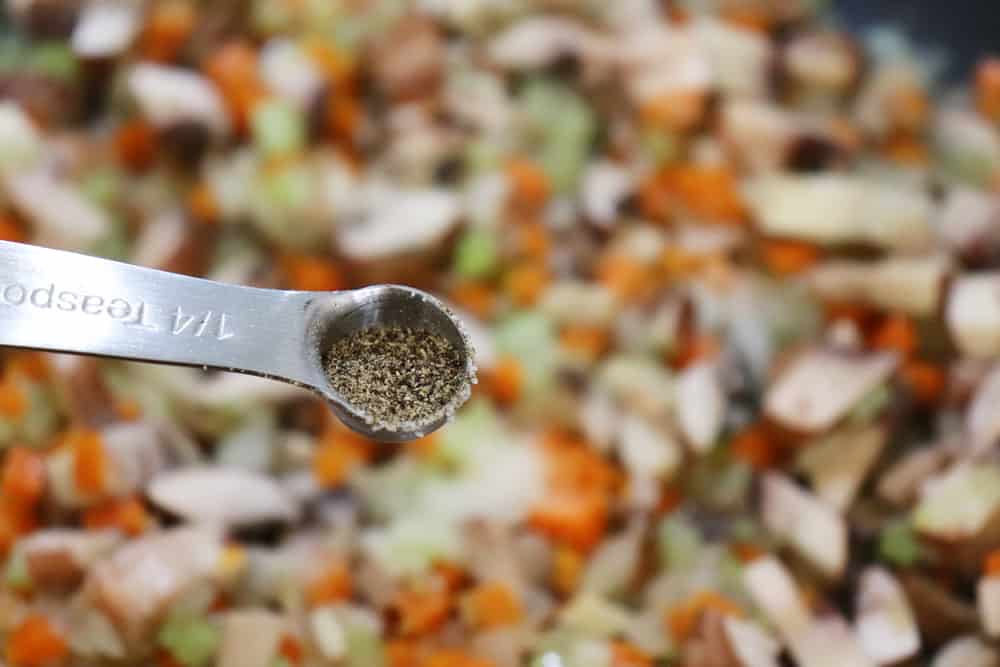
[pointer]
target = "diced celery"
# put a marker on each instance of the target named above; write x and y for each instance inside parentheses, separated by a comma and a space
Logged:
(278, 128)
(872, 405)
(364, 638)
(660, 146)
(475, 423)
(16, 574)
(679, 542)
(483, 156)
(899, 545)
(476, 254)
(52, 59)
(192, 641)
(102, 185)
(565, 126)
(280, 662)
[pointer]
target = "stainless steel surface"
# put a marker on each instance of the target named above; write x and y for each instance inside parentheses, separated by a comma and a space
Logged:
(66, 302)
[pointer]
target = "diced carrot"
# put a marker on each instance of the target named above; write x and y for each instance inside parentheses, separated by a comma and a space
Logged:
(863, 317)
(653, 199)
(678, 111)
(451, 575)
(747, 552)
(135, 144)
(165, 659)
(749, 17)
(709, 193)
(505, 381)
(15, 521)
(683, 619)
(336, 64)
(168, 27)
(897, 333)
(693, 347)
(988, 88)
(909, 109)
(454, 658)
(478, 298)
(755, 447)
(671, 498)
(402, 653)
(926, 380)
(13, 402)
(333, 585)
(567, 568)
(678, 263)
(10, 230)
(290, 648)
(906, 149)
(90, 462)
(627, 277)
(576, 519)
(337, 455)
(421, 612)
(23, 481)
(785, 258)
(529, 184)
(525, 282)
(424, 447)
(574, 467)
(312, 273)
(233, 68)
(203, 204)
(128, 515)
(991, 564)
(532, 241)
(587, 341)
(128, 409)
(344, 115)
(624, 654)
(492, 605)
(31, 365)
(36, 643)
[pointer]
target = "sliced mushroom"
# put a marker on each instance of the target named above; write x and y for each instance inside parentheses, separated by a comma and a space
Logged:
(740, 59)
(968, 651)
(19, 136)
(820, 388)
(775, 593)
(982, 418)
(289, 73)
(901, 483)
(646, 450)
(822, 61)
(940, 615)
(814, 529)
(135, 585)
(59, 558)
(988, 603)
(701, 405)
(408, 60)
(80, 384)
(973, 314)
(834, 209)
(538, 41)
(171, 97)
(885, 624)
(909, 284)
(105, 29)
(968, 224)
(170, 243)
(758, 133)
(829, 642)
(604, 187)
(60, 215)
(838, 464)
(222, 496)
(250, 638)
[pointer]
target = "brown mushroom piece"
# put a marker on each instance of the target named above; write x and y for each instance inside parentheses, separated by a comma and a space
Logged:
(59, 214)
(838, 464)
(222, 496)
(820, 387)
(774, 591)
(940, 615)
(137, 583)
(58, 559)
(969, 651)
(988, 604)
(408, 60)
(724, 641)
(885, 624)
(900, 484)
(814, 529)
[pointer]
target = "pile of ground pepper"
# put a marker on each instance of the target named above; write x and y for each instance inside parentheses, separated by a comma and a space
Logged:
(399, 376)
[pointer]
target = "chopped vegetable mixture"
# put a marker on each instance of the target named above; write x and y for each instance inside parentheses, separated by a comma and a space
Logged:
(733, 279)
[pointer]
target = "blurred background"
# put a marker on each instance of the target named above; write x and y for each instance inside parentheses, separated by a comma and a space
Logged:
(730, 268)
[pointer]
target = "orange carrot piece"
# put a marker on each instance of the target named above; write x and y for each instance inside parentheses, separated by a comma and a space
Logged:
(290, 648)
(336, 65)
(628, 278)
(505, 381)
(203, 204)
(683, 619)
(624, 654)
(671, 498)
(575, 519)
(454, 658)
(15, 521)
(927, 381)
(988, 89)
(312, 273)
(707, 192)
(135, 144)
(233, 68)
(991, 564)
(492, 605)
(13, 402)
(747, 552)
(402, 653)
(567, 568)
(678, 111)
(128, 515)
(589, 342)
(168, 27)
(36, 643)
(525, 282)
(23, 480)
(334, 585)
(424, 447)
(692, 348)
(344, 115)
(906, 149)
(530, 187)
(421, 612)
(90, 463)
(31, 365)
(755, 447)
(785, 258)
(128, 409)
(451, 574)
(897, 333)
(10, 230)
(532, 241)
(750, 17)
(337, 455)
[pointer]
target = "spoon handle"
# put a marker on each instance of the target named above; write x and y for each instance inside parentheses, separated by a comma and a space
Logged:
(66, 302)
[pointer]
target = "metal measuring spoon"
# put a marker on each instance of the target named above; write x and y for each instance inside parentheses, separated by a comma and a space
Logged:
(66, 302)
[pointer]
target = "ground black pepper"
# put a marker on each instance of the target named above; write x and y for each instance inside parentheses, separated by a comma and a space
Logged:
(398, 375)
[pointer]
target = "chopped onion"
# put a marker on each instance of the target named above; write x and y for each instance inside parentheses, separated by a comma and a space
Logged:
(885, 625)
(811, 526)
(973, 314)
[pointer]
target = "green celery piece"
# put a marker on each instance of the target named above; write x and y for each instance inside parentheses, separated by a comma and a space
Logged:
(679, 543)
(899, 545)
(278, 128)
(52, 59)
(192, 641)
(476, 254)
